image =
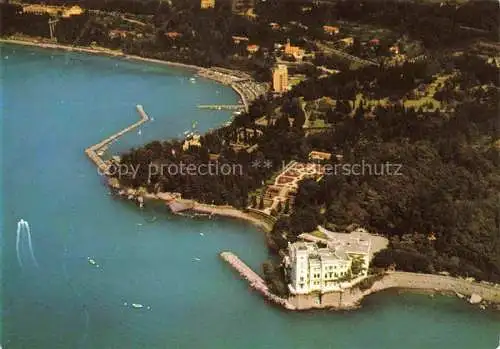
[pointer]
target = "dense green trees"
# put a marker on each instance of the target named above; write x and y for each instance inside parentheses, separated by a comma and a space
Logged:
(441, 210)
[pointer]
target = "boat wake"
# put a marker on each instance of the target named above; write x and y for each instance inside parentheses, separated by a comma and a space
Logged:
(23, 226)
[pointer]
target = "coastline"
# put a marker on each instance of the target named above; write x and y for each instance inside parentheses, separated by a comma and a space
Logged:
(403, 281)
(231, 212)
(351, 298)
(171, 199)
(477, 294)
(102, 51)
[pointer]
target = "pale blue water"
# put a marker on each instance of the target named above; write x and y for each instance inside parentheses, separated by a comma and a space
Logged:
(54, 105)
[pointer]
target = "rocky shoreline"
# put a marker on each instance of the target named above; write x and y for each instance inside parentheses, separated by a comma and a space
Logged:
(181, 206)
(476, 293)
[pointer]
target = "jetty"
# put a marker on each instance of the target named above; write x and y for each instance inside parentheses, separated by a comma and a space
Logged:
(255, 281)
(97, 150)
(222, 106)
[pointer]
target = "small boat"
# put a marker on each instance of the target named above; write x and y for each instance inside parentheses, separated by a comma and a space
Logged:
(193, 80)
(186, 132)
(139, 132)
(137, 305)
(197, 259)
(91, 261)
(201, 234)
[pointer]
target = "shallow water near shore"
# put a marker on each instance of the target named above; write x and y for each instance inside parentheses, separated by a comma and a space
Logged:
(54, 105)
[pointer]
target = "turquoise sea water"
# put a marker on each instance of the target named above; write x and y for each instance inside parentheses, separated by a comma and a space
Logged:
(53, 105)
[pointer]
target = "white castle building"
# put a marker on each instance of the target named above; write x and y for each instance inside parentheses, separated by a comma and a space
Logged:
(326, 269)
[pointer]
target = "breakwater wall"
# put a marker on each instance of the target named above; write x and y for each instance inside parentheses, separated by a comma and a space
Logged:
(92, 151)
(255, 281)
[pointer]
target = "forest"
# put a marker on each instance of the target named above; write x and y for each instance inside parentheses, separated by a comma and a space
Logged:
(206, 35)
(443, 212)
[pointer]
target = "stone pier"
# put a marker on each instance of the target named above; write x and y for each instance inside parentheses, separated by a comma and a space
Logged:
(256, 282)
(93, 151)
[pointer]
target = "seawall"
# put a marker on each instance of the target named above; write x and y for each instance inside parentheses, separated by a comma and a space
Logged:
(352, 298)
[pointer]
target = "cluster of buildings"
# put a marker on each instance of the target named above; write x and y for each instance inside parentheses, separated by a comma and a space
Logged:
(237, 6)
(207, 4)
(331, 30)
(294, 51)
(54, 11)
(328, 268)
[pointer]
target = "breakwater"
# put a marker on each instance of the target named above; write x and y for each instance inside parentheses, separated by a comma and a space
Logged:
(93, 151)
(255, 281)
